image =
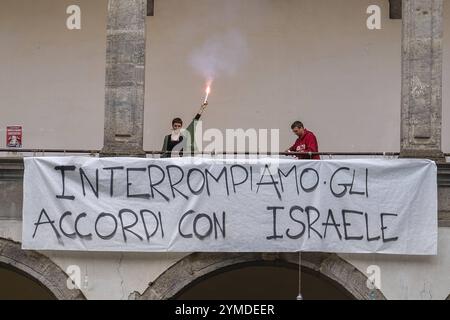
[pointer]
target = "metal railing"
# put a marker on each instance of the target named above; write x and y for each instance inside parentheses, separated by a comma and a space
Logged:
(44, 151)
(19, 152)
(221, 153)
(11, 165)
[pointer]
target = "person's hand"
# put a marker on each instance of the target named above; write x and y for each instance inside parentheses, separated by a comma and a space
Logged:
(203, 107)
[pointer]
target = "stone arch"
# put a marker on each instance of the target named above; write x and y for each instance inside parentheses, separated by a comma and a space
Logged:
(199, 266)
(40, 268)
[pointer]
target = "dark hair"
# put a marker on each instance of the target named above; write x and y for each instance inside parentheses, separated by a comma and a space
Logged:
(297, 124)
(177, 120)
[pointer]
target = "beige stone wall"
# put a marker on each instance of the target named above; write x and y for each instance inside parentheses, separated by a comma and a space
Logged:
(446, 81)
(52, 80)
(304, 59)
(307, 59)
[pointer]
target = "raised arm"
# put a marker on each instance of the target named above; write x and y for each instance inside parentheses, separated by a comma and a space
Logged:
(200, 112)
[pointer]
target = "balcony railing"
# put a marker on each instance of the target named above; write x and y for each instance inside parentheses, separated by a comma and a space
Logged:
(155, 153)
(11, 169)
(11, 164)
(14, 151)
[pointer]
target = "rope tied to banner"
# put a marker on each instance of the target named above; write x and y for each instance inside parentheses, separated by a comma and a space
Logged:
(300, 296)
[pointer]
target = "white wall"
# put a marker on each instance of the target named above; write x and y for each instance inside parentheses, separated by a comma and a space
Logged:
(411, 277)
(313, 60)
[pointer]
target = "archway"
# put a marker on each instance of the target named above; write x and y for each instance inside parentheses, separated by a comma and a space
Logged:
(327, 269)
(19, 286)
(263, 281)
(31, 268)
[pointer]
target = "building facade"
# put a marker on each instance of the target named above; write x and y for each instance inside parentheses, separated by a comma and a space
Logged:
(270, 62)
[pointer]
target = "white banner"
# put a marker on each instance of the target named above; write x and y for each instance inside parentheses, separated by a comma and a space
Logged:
(210, 205)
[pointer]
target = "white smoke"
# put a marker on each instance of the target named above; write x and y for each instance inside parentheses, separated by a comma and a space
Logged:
(220, 55)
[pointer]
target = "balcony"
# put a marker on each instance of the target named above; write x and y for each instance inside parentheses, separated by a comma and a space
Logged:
(11, 179)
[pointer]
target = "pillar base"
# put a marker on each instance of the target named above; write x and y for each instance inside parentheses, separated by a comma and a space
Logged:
(434, 155)
(108, 153)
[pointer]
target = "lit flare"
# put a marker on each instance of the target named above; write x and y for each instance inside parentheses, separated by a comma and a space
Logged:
(208, 91)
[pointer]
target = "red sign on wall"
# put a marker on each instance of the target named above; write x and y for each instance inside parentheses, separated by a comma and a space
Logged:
(14, 136)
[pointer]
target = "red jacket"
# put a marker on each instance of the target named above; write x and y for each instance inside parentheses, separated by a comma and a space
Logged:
(307, 143)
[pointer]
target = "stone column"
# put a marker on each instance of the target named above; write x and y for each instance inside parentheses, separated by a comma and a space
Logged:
(125, 78)
(422, 79)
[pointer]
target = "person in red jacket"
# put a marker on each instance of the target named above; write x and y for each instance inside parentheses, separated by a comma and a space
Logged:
(306, 142)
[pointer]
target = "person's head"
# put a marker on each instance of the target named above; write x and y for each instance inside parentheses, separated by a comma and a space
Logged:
(177, 124)
(298, 128)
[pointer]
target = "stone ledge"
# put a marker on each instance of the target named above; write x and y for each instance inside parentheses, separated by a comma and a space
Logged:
(444, 175)
(434, 155)
(444, 219)
(11, 169)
